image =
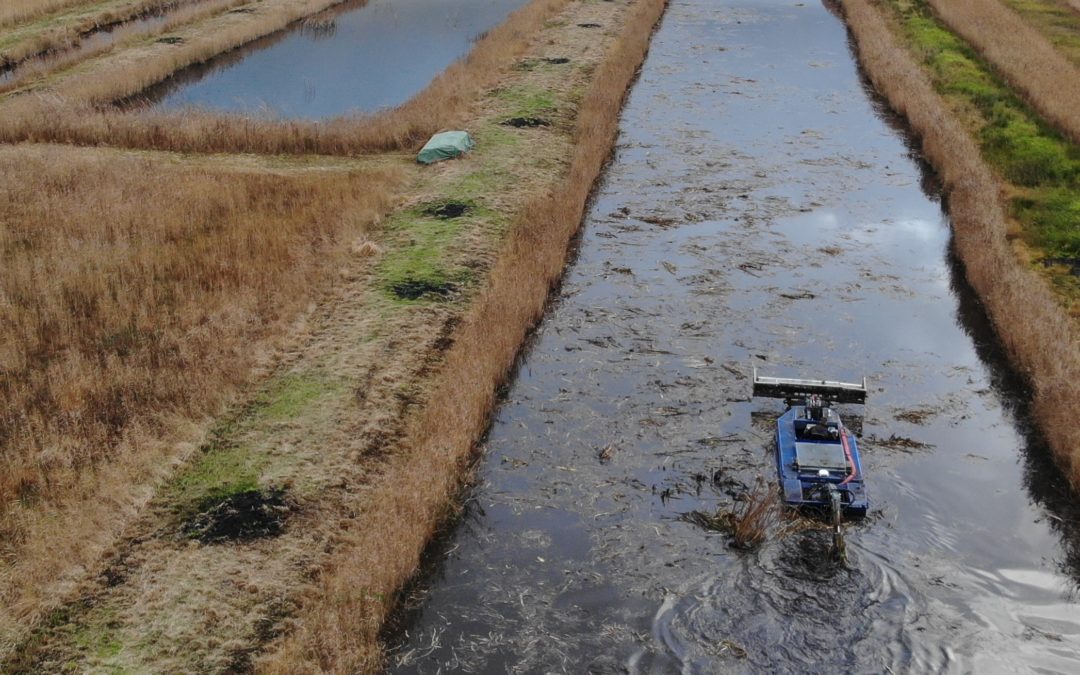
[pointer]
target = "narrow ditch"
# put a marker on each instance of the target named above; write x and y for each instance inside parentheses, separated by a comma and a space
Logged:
(761, 210)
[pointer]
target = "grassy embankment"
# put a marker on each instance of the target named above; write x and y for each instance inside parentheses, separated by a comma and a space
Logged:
(134, 70)
(968, 121)
(14, 11)
(56, 43)
(63, 29)
(74, 106)
(1040, 165)
(58, 328)
(40, 548)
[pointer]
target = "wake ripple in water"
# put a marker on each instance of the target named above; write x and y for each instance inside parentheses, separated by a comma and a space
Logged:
(802, 610)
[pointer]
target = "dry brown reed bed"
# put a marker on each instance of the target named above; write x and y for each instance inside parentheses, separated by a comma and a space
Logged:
(337, 627)
(1039, 337)
(71, 113)
(59, 48)
(1024, 57)
(133, 292)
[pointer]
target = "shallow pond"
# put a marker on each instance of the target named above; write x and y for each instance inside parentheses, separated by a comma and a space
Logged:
(358, 57)
(762, 209)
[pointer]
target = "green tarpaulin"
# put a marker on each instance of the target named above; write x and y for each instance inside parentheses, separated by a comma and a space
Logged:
(447, 145)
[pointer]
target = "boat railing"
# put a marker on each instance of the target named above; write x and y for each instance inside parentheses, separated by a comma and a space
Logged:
(791, 388)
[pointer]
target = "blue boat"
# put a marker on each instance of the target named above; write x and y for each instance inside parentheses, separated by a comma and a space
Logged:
(817, 457)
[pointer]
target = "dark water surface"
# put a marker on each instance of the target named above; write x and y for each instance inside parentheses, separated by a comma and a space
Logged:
(762, 209)
(358, 57)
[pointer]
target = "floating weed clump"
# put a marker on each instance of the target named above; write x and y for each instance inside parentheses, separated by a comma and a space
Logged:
(749, 521)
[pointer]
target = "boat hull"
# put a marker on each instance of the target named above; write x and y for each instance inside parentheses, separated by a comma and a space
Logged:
(810, 467)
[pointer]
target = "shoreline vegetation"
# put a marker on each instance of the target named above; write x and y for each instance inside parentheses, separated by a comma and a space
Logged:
(1038, 334)
(15, 11)
(1038, 166)
(387, 374)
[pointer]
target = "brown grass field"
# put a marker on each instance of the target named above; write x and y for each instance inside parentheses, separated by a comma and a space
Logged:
(70, 112)
(1027, 60)
(120, 298)
(338, 626)
(135, 292)
(1038, 335)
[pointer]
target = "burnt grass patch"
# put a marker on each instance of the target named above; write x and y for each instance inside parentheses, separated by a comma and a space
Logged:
(416, 289)
(448, 210)
(531, 64)
(244, 516)
(520, 122)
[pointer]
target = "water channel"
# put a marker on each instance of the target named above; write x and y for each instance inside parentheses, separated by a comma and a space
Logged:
(361, 56)
(762, 209)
